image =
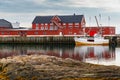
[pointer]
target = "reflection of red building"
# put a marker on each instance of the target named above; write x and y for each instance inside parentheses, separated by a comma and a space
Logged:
(81, 53)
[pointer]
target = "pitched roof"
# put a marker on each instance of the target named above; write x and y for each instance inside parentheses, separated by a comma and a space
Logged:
(64, 19)
(5, 23)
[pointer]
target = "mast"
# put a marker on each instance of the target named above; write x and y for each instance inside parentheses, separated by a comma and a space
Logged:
(97, 21)
(100, 29)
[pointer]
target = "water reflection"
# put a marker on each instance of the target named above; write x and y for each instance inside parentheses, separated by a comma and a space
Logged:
(91, 54)
(52, 50)
(96, 54)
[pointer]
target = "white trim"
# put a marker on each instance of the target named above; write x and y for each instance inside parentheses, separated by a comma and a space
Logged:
(9, 35)
(109, 35)
(53, 35)
(49, 35)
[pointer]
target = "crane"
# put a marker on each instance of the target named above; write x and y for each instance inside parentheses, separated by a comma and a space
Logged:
(97, 21)
(100, 29)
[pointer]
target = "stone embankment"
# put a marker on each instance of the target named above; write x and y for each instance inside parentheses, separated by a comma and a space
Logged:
(42, 67)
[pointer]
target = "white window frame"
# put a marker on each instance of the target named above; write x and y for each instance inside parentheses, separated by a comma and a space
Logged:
(42, 28)
(51, 27)
(64, 24)
(76, 23)
(46, 27)
(45, 24)
(51, 24)
(37, 26)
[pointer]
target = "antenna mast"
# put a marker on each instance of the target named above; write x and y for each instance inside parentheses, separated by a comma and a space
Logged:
(100, 28)
(97, 21)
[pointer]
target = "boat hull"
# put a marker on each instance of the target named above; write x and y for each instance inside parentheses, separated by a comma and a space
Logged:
(99, 41)
(86, 43)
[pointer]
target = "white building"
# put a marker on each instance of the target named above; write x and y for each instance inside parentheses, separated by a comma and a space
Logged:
(16, 25)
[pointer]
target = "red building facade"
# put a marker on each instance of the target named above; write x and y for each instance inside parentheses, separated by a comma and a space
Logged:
(68, 25)
(105, 30)
(57, 25)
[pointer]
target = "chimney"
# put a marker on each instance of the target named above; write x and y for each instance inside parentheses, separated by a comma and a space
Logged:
(74, 14)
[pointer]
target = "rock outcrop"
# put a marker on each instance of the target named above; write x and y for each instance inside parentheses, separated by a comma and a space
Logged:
(42, 67)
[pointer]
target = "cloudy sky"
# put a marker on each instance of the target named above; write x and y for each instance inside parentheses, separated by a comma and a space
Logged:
(24, 11)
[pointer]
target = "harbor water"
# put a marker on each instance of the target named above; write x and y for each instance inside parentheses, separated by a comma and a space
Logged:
(103, 55)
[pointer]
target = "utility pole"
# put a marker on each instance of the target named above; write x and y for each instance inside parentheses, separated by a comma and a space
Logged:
(108, 20)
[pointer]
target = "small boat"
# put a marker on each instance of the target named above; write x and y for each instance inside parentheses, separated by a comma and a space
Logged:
(91, 41)
(96, 39)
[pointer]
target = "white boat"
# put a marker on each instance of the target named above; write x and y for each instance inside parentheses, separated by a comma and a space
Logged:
(97, 39)
(91, 41)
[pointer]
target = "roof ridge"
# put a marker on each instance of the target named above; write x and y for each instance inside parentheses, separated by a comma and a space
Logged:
(57, 15)
(64, 18)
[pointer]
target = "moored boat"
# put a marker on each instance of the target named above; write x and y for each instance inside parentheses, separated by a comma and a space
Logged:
(94, 39)
(91, 41)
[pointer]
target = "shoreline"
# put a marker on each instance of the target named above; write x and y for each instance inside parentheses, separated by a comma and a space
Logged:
(43, 67)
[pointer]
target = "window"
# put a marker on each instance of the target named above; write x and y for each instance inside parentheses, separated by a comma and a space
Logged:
(46, 27)
(42, 24)
(55, 28)
(64, 23)
(42, 28)
(76, 24)
(70, 26)
(51, 24)
(83, 25)
(51, 28)
(59, 23)
(37, 26)
(111, 32)
(46, 24)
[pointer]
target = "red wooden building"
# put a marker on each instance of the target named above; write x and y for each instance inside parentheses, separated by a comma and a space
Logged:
(67, 25)
(58, 25)
(105, 30)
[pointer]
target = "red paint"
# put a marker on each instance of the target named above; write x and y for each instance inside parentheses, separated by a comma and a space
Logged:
(105, 30)
(65, 28)
(92, 33)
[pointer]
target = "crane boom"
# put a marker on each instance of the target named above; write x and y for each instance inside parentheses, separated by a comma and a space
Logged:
(100, 28)
(97, 21)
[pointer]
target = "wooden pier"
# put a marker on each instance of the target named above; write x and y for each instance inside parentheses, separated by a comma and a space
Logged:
(69, 40)
(37, 40)
(114, 40)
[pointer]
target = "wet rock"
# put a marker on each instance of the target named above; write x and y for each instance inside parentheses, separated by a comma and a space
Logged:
(42, 67)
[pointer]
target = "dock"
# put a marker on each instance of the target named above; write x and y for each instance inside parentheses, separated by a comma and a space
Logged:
(37, 40)
(67, 40)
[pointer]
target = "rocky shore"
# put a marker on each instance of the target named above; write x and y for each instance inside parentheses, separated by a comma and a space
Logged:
(42, 67)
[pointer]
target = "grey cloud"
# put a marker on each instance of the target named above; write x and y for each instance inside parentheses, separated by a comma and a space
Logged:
(29, 6)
